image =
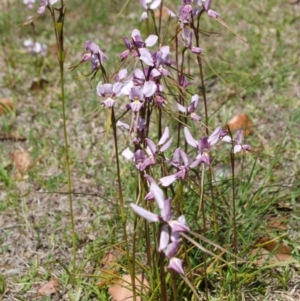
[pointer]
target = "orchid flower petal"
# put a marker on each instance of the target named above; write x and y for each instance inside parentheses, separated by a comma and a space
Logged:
(158, 195)
(164, 136)
(149, 88)
(151, 145)
(164, 238)
(146, 56)
(215, 136)
(176, 265)
(149, 178)
(189, 138)
(172, 249)
(168, 180)
(181, 108)
(128, 154)
(166, 145)
(184, 158)
(155, 4)
(151, 40)
(239, 137)
(166, 212)
(149, 216)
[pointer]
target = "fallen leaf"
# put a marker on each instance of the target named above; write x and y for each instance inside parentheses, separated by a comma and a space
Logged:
(284, 206)
(12, 137)
(6, 105)
(122, 289)
(240, 122)
(271, 251)
(48, 288)
(38, 85)
(277, 222)
(21, 162)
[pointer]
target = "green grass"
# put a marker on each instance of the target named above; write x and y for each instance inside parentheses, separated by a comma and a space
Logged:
(264, 75)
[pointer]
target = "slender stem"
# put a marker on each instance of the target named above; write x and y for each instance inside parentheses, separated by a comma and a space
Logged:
(59, 34)
(202, 208)
(74, 242)
(234, 220)
(122, 208)
(196, 33)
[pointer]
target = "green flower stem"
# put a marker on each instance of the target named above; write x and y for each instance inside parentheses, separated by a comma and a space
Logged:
(59, 34)
(122, 208)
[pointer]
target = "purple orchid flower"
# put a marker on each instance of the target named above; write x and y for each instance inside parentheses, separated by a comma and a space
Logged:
(169, 248)
(185, 12)
(108, 91)
(183, 83)
(206, 6)
(176, 265)
(204, 144)
(122, 74)
(146, 56)
(139, 76)
(44, 4)
(29, 3)
(191, 108)
(238, 141)
(165, 216)
(144, 159)
(139, 157)
(193, 49)
(138, 41)
(181, 162)
(138, 94)
(152, 149)
(95, 56)
(137, 98)
(161, 58)
(137, 46)
(148, 4)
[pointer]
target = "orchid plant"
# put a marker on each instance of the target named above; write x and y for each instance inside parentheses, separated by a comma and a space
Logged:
(149, 81)
(145, 90)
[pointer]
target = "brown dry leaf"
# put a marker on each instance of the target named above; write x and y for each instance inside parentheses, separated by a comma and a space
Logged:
(284, 206)
(6, 105)
(240, 122)
(12, 137)
(48, 288)
(277, 223)
(271, 251)
(122, 289)
(38, 85)
(21, 162)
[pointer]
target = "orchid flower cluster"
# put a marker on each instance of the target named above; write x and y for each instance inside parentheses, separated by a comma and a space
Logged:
(144, 87)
